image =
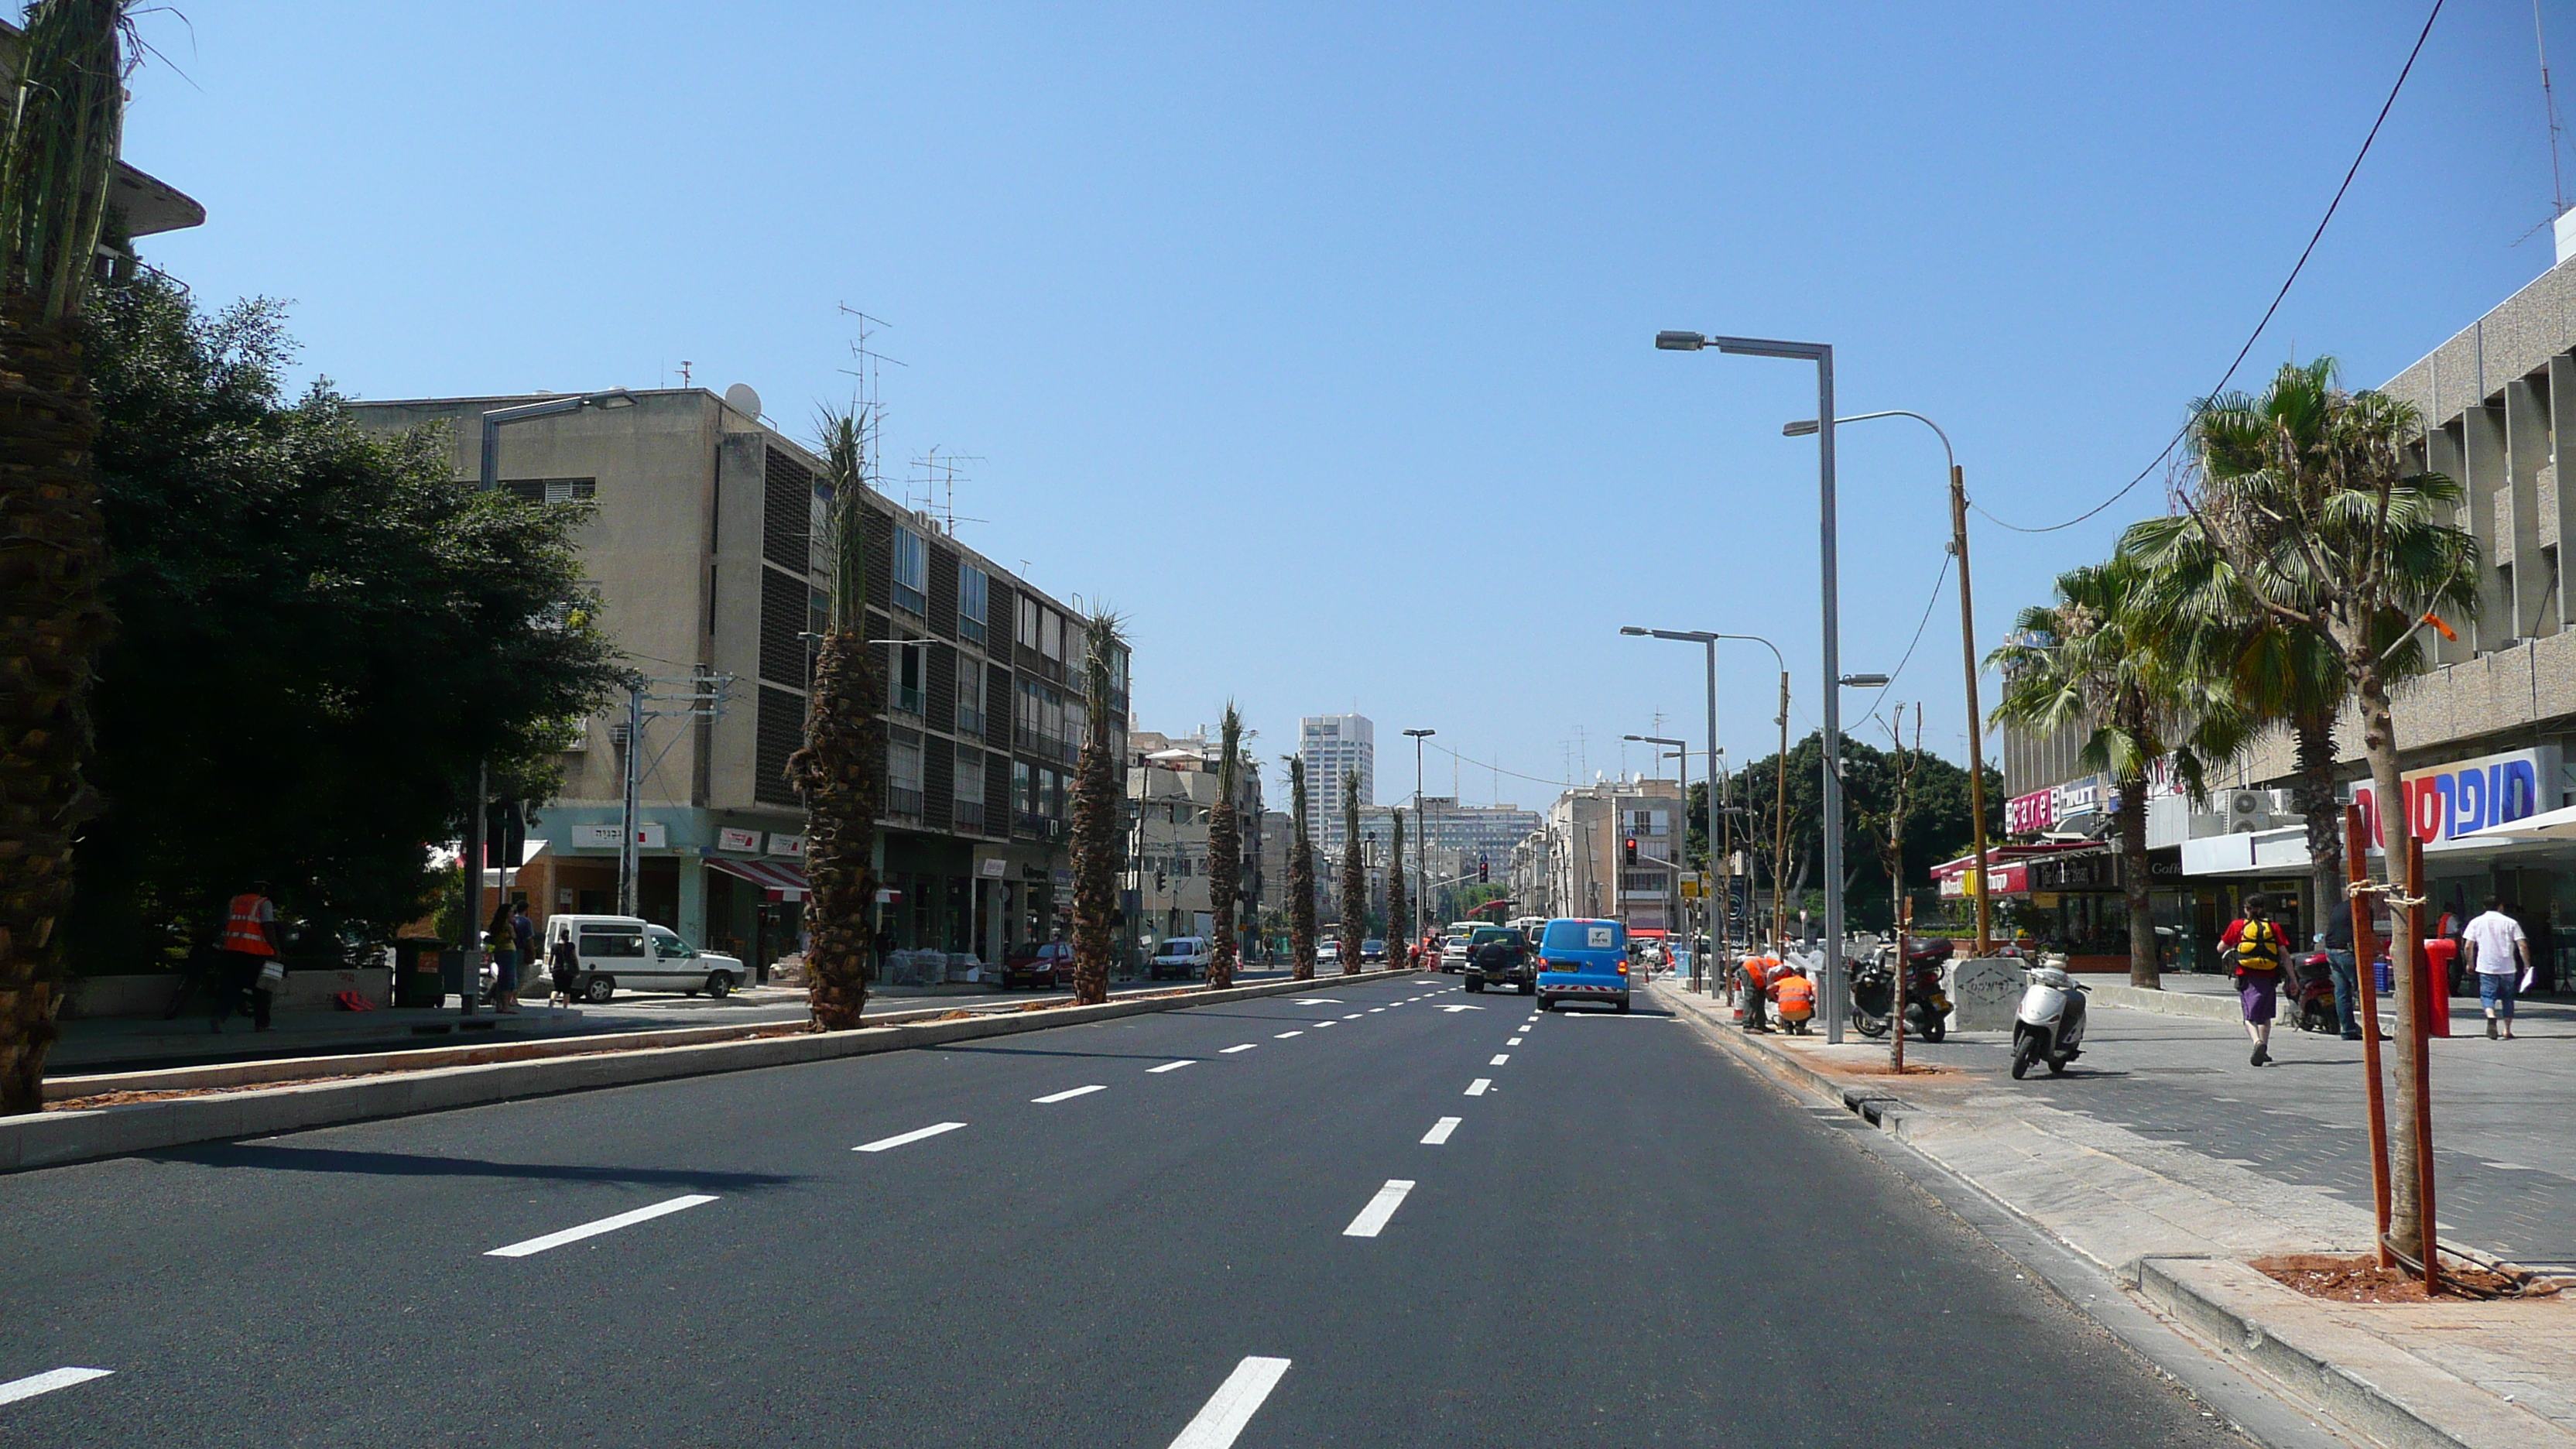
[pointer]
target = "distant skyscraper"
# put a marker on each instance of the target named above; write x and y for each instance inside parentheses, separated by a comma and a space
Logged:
(1332, 744)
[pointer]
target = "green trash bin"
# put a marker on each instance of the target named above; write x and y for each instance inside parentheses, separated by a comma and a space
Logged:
(417, 978)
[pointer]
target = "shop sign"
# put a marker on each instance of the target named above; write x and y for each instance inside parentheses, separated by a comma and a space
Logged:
(2030, 814)
(2467, 797)
(2100, 871)
(2009, 880)
(992, 867)
(791, 846)
(746, 841)
(605, 837)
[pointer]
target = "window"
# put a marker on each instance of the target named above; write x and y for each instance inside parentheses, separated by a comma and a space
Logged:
(966, 793)
(970, 697)
(974, 601)
(1026, 729)
(907, 677)
(1050, 794)
(1028, 626)
(911, 571)
(1053, 645)
(903, 773)
(1118, 672)
(1024, 795)
(554, 490)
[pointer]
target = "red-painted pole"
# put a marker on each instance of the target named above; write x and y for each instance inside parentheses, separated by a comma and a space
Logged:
(2365, 950)
(2422, 1066)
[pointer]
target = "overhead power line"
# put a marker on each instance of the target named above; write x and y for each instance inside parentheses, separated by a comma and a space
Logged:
(2304, 253)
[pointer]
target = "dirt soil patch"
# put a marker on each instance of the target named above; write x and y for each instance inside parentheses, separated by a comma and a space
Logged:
(2360, 1279)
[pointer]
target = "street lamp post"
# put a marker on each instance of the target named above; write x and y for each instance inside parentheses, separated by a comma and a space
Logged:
(1681, 752)
(1421, 842)
(1968, 647)
(487, 479)
(1780, 805)
(1822, 355)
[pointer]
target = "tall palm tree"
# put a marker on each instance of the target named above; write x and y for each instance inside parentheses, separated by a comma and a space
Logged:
(1225, 851)
(1301, 877)
(2285, 671)
(1399, 922)
(2313, 498)
(1099, 829)
(2088, 662)
(841, 769)
(1354, 890)
(56, 154)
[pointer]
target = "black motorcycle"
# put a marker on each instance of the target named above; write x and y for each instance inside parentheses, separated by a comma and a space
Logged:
(1927, 1005)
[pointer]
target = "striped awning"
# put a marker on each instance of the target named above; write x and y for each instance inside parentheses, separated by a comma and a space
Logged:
(778, 880)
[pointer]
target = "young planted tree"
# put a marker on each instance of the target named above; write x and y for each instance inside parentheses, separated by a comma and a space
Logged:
(2310, 495)
(1301, 877)
(56, 154)
(1354, 891)
(1225, 852)
(841, 769)
(2093, 662)
(1399, 921)
(1099, 825)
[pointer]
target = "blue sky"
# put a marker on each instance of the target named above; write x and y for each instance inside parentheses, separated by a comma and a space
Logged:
(1316, 338)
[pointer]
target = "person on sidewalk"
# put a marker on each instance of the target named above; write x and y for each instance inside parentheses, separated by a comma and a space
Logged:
(504, 947)
(250, 942)
(2502, 954)
(563, 971)
(523, 935)
(1797, 998)
(1756, 975)
(2257, 944)
(2347, 974)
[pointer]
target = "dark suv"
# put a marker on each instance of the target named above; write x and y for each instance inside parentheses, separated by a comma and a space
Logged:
(1500, 956)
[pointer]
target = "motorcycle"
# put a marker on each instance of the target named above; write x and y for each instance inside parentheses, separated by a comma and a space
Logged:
(1927, 1005)
(2312, 996)
(2049, 1024)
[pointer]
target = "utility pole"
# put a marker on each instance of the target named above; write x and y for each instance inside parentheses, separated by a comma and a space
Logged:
(702, 696)
(1976, 721)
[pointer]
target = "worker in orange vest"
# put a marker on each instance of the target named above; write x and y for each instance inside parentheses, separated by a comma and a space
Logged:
(1797, 998)
(1757, 983)
(249, 943)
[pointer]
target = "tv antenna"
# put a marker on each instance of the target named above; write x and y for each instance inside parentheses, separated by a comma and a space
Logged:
(938, 476)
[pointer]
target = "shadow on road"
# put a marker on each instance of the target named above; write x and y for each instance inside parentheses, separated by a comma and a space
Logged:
(406, 1164)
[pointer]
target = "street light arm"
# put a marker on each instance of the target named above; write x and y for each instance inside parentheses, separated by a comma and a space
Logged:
(1949, 456)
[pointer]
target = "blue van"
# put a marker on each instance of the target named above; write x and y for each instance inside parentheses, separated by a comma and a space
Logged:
(1582, 960)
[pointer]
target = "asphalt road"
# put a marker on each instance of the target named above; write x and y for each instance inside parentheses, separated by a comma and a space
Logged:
(1622, 1239)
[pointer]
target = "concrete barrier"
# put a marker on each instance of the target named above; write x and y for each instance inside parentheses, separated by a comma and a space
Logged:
(1984, 991)
(49, 1139)
(2171, 1003)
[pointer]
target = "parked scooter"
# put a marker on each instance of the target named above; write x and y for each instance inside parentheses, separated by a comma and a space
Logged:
(2049, 1025)
(2312, 997)
(1927, 1005)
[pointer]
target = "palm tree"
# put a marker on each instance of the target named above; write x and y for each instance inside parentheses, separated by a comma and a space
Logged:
(55, 157)
(1099, 833)
(2088, 662)
(1354, 890)
(841, 769)
(1301, 877)
(2311, 496)
(2282, 670)
(1225, 851)
(1399, 922)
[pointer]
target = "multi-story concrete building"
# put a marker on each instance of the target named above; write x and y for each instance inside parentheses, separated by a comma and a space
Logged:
(1332, 744)
(1171, 792)
(1589, 873)
(1454, 837)
(704, 549)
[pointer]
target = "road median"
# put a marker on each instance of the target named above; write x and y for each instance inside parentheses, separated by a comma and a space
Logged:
(525, 1069)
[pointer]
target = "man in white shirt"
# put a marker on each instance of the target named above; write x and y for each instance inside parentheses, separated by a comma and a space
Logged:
(2503, 954)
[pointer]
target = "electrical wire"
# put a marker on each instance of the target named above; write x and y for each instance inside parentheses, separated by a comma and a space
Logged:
(1919, 626)
(1497, 769)
(2309, 250)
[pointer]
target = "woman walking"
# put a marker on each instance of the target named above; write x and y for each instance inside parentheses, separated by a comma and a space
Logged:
(2257, 944)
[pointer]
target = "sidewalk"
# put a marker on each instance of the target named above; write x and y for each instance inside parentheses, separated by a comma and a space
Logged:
(2171, 1161)
(92, 1043)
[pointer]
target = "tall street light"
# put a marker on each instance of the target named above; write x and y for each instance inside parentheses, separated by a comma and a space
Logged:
(1681, 752)
(1822, 355)
(1701, 637)
(1421, 841)
(1967, 646)
(488, 479)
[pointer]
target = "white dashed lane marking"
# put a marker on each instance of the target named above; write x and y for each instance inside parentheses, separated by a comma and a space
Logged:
(1515, 1041)
(1067, 1095)
(1230, 1051)
(1283, 1036)
(604, 1225)
(1233, 1404)
(1440, 1131)
(1477, 1087)
(1171, 1066)
(906, 1139)
(1499, 1059)
(48, 1381)
(1380, 1208)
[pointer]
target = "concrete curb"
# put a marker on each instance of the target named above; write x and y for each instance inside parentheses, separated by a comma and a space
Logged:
(51, 1139)
(2169, 1003)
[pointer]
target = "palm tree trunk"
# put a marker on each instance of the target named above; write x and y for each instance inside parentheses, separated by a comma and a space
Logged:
(53, 557)
(838, 771)
(2134, 881)
(1354, 890)
(2315, 793)
(2379, 746)
(1225, 862)
(1301, 905)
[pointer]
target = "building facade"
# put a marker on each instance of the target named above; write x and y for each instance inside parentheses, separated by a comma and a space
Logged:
(705, 550)
(1169, 803)
(1331, 745)
(1586, 855)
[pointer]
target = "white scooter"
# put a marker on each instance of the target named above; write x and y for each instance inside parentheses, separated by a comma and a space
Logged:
(2049, 1025)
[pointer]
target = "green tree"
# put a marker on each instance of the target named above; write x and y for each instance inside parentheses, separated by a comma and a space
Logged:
(1225, 851)
(2093, 662)
(1937, 824)
(1099, 818)
(841, 769)
(322, 635)
(1354, 888)
(56, 155)
(1301, 876)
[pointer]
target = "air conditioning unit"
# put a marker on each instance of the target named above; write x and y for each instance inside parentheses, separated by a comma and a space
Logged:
(2285, 804)
(2248, 810)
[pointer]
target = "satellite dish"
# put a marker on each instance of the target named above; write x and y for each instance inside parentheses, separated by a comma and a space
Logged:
(742, 399)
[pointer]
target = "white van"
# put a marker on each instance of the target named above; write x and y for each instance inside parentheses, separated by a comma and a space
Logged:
(1183, 956)
(628, 951)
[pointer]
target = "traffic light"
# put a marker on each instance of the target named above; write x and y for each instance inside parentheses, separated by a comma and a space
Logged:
(1484, 871)
(505, 835)
(1632, 850)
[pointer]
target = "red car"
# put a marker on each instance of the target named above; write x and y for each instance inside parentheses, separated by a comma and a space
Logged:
(1024, 965)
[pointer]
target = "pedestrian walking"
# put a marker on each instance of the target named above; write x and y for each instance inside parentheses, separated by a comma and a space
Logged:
(503, 943)
(2257, 944)
(2347, 972)
(2501, 955)
(563, 970)
(250, 949)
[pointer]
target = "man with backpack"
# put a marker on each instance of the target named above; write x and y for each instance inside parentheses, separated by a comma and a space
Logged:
(2256, 944)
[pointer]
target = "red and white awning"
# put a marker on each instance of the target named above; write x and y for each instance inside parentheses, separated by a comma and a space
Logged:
(778, 880)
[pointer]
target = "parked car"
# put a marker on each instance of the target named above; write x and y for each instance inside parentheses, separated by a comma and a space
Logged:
(628, 951)
(1024, 965)
(1183, 956)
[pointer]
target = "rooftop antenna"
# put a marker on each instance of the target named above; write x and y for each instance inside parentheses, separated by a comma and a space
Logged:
(684, 374)
(2549, 103)
(938, 477)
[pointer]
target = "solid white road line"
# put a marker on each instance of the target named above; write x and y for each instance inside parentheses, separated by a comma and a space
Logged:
(1283, 1036)
(604, 1225)
(905, 1139)
(1230, 1051)
(1477, 1087)
(48, 1381)
(1233, 1405)
(1379, 1209)
(1170, 1066)
(1515, 1041)
(1067, 1095)
(1440, 1131)
(1499, 1059)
